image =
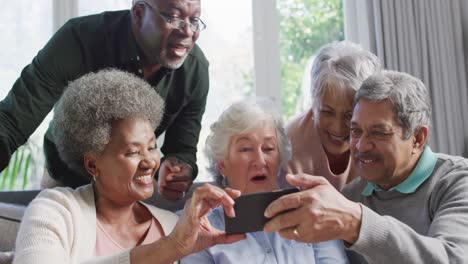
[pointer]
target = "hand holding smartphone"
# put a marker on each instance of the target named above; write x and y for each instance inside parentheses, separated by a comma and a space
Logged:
(250, 210)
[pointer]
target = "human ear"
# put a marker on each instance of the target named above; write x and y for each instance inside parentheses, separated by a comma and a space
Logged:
(137, 14)
(221, 168)
(420, 138)
(89, 161)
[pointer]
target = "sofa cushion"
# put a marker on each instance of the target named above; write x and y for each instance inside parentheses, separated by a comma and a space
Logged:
(6, 257)
(18, 197)
(10, 218)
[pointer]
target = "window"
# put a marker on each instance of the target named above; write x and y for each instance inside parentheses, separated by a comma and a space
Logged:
(254, 48)
(88, 7)
(228, 45)
(26, 27)
(305, 26)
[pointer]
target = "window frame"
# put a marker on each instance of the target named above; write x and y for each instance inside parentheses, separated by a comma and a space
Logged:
(267, 65)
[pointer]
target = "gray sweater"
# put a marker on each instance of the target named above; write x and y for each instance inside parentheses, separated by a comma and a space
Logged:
(429, 225)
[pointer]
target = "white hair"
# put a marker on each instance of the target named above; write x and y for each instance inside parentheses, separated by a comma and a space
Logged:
(239, 118)
(344, 65)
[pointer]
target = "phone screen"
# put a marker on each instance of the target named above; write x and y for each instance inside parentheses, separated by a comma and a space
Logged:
(250, 210)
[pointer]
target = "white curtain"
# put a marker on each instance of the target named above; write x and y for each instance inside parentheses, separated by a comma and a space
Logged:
(425, 39)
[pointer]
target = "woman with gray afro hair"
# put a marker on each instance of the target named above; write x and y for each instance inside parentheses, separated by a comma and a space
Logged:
(320, 136)
(246, 147)
(84, 115)
(104, 126)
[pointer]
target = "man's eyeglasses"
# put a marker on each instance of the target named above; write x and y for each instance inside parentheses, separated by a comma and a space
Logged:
(177, 23)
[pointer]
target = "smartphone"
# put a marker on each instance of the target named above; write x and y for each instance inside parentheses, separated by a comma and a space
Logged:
(250, 209)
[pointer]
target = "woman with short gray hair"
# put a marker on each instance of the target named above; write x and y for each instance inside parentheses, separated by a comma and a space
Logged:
(104, 126)
(320, 137)
(246, 147)
(239, 118)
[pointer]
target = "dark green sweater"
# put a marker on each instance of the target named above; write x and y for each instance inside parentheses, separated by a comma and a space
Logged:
(88, 44)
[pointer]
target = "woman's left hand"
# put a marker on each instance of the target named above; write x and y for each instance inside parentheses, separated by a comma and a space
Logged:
(193, 231)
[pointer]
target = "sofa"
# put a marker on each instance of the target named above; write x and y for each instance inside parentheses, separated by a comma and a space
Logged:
(13, 205)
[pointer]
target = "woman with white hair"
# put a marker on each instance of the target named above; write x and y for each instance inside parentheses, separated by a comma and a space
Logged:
(104, 128)
(320, 137)
(246, 148)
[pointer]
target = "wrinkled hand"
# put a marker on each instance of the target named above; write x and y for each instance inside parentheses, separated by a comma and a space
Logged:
(293, 167)
(175, 178)
(193, 231)
(317, 214)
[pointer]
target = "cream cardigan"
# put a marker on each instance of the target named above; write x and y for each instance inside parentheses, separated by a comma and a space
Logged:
(59, 226)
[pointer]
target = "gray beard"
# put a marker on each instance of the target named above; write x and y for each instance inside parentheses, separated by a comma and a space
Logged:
(174, 64)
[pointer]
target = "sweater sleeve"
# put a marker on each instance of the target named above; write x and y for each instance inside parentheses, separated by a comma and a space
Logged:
(46, 231)
(37, 89)
(384, 239)
(54, 230)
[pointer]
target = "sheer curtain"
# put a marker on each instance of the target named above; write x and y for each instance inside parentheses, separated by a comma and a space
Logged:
(425, 39)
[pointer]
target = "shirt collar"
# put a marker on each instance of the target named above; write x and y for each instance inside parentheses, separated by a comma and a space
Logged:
(423, 170)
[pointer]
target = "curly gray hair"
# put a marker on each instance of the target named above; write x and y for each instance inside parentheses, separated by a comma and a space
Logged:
(344, 65)
(83, 116)
(239, 118)
(408, 95)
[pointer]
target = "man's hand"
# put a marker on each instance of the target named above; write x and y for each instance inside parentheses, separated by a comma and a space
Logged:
(317, 214)
(175, 178)
(193, 231)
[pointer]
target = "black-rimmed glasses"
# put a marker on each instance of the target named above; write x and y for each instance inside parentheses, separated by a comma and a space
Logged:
(196, 25)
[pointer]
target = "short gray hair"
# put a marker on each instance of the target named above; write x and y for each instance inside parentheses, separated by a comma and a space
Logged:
(408, 95)
(83, 116)
(239, 118)
(344, 65)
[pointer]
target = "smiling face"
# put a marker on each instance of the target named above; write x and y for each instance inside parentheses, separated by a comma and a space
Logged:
(160, 43)
(332, 118)
(379, 152)
(252, 161)
(125, 169)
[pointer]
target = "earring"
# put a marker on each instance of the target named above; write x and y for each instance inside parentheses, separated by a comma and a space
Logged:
(94, 178)
(224, 181)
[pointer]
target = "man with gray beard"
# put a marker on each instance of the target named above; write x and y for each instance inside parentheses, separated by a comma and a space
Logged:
(155, 40)
(408, 205)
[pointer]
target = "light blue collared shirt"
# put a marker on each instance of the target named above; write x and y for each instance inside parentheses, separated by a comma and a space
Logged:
(423, 170)
(260, 247)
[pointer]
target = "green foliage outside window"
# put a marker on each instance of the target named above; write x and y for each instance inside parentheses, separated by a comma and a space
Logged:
(305, 26)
